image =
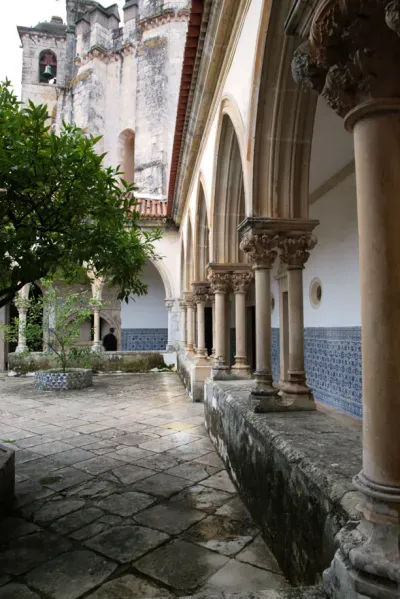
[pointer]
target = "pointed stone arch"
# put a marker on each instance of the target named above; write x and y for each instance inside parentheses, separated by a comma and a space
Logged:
(283, 118)
(229, 194)
(202, 236)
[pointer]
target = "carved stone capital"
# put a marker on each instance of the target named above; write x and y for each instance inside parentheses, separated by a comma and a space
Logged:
(260, 249)
(219, 281)
(182, 304)
(189, 302)
(352, 53)
(200, 292)
(295, 251)
(241, 281)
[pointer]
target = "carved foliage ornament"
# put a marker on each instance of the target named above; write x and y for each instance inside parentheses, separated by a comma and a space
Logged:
(295, 250)
(241, 281)
(352, 53)
(219, 281)
(169, 304)
(200, 293)
(259, 249)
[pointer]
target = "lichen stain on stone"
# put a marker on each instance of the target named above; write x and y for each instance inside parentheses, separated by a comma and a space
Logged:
(82, 77)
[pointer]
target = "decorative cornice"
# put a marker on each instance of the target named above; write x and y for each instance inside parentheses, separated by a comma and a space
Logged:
(163, 17)
(352, 52)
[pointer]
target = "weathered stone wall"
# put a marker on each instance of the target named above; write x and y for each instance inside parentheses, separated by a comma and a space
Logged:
(294, 473)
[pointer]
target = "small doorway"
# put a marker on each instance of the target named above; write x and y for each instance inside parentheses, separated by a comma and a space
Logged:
(208, 330)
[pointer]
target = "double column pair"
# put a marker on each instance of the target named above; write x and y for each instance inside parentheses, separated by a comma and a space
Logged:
(262, 239)
(223, 280)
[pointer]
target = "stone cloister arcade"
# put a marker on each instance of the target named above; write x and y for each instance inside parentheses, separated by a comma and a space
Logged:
(249, 213)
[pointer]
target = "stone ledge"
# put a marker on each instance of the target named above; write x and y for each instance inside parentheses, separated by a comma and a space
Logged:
(7, 479)
(298, 593)
(293, 471)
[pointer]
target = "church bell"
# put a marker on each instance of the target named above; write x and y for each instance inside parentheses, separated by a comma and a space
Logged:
(48, 73)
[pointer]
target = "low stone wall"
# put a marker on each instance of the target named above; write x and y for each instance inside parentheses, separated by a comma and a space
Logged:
(7, 479)
(193, 375)
(293, 472)
(98, 362)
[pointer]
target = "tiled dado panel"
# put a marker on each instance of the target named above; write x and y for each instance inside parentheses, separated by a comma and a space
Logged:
(333, 366)
(144, 339)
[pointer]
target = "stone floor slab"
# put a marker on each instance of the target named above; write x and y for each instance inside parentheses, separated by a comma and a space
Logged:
(181, 565)
(17, 591)
(221, 534)
(71, 575)
(56, 508)
(24, 553)
(126, 503)
(170, 518)
(202, 498)
(159, 462)
(257, 554)
(128, 474)
(47, 449)
(98, 465)
(128, 587)
(211, 459)
(126, 543)
(162, 485)
(12, 528)
(235, 510)
(220, 481)
(235, 577)
(76, 520)
(192, 471)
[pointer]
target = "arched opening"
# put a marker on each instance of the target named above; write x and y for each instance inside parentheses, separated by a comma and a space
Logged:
(144, 319)
(189, 265)
(48, 67)
(126, 147)
(229, 201)
(202, 237)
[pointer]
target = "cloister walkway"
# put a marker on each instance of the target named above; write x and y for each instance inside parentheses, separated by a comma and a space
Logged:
(120, 494)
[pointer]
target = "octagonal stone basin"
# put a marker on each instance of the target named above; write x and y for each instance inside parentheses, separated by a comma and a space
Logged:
(54, 380)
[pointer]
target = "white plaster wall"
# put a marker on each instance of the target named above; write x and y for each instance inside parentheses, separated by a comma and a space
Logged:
(146, 312)
(335, 260)
(169, 249)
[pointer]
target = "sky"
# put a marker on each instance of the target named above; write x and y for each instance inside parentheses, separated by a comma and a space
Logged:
(28, 13)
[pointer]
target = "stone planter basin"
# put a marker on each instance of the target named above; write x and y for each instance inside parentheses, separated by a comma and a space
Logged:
(54, 380)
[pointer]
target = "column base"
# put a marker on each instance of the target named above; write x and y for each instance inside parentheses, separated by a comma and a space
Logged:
(220, 371)
(241, 370)
(20, 349)
(367, 563)
(96, 347)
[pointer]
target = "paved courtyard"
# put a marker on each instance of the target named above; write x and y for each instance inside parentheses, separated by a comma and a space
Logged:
(120, 494)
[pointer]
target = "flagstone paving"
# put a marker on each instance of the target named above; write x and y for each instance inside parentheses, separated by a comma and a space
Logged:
(120, 494)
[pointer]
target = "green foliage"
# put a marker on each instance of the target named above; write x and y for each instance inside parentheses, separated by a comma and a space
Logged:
(60, 209)
(63, 316)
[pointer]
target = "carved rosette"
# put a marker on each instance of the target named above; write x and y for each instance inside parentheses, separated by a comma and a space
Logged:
(352, 53)
(260, 249)
(241, 281)
(200, 293)
(219, 281)
(295, 251)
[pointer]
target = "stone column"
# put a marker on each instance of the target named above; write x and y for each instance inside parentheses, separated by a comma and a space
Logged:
(190, 322)
(294, 254)
(220, 282)
(182, 306)
(212, 299)
(169, 304)
(261, 253)
(22, 304)
(240, 285)
(97, 290)
(358, 76)
(200, 291)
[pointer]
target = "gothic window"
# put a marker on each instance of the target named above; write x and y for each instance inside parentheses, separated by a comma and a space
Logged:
(48, 67)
